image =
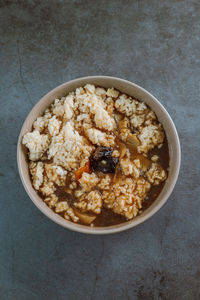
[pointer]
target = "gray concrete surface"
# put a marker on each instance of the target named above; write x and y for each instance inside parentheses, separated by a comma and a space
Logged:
(152, 43)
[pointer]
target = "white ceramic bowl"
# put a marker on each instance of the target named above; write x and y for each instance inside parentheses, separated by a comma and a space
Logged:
(132, 90)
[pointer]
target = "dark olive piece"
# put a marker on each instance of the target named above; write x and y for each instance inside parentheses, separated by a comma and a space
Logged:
(101, 160)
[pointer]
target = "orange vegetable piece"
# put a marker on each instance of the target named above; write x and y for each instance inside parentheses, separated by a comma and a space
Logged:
(79, 172)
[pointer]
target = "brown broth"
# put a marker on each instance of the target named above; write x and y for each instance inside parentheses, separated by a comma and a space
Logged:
(163, 154)
(108, 218)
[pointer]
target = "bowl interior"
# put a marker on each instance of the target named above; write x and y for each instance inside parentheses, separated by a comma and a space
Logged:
(125, 87)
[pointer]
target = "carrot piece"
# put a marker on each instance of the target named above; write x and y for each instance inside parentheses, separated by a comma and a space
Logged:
(79, 172)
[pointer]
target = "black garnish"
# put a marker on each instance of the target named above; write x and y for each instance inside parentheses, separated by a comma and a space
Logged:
(101, 160)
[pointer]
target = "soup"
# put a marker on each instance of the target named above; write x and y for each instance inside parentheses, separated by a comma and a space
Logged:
(97, 157)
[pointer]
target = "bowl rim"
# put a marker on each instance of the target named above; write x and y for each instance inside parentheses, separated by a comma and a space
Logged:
(123, 226)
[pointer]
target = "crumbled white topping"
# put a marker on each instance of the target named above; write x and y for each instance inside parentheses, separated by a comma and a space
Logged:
(91, 202)
(137, 163)
(125, 105)
(70, 213)
(129, 167)
(54, 126)
(51, 200)
(124, 129)
(88, 181)
(105, 183)
(73, 185)
(156, 174)
(112, 93)
(125, 197)
(39, 124)
(68, 148)
(83, 122)
(90, 88)
(141, 106)
(36, 143)
(61, 206)
(36, 170)
(154, 158)
(101, 92)
(137, 120)
(47, 188)
(150, 136)
(82, 117)
(69, 107)
(90, 103)
(60, 171)
(55, 174)
(42, 122)
(100, 138)
(58, 108)
(79, 193)
(115, 153)
(109, 101)
(103, 120)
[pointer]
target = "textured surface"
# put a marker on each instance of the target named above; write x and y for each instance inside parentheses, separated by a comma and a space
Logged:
(152, 43)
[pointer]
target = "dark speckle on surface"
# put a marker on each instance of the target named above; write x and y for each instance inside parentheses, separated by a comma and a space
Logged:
(152, 43)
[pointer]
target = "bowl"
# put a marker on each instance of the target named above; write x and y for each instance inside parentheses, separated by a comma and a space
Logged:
(132, 90)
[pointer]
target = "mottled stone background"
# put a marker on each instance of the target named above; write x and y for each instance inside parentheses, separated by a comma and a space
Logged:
(152, 43)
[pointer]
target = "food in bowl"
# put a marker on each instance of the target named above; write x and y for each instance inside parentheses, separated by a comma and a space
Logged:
(97, 157)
